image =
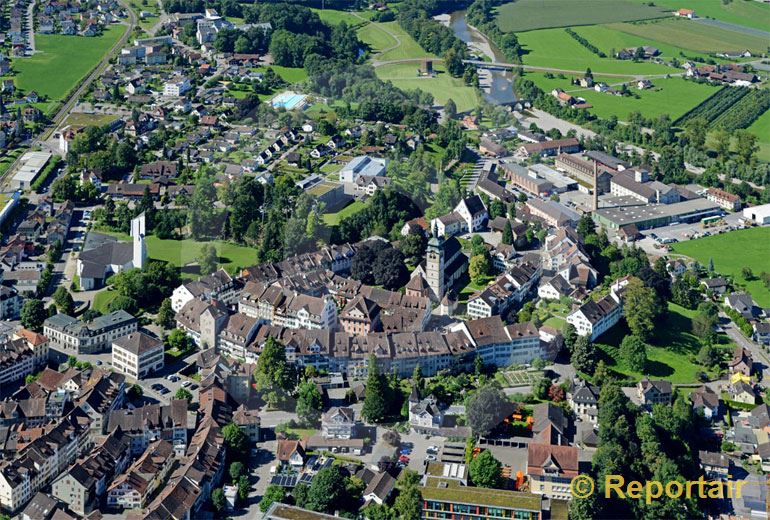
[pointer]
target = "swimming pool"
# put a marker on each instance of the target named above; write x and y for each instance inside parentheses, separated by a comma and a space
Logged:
(289, 100)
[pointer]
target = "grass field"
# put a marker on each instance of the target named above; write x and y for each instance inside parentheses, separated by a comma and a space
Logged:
(289, 74)
(673, 96)
(693, 35)
(82, 119)
(149, 6)
(609, 38)
(761, 128)
(555, 48)
(380, 36)
(61, 61)
(102, 300)
(182, 252)
(739, 12)
(528, 15)
(733, 251)
(334, 17)
(333, 219)
(442, 86)
(670, 354)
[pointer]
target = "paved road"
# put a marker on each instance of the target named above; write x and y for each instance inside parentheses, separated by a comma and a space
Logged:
(31, 27)
(562, 71)
(757, 352)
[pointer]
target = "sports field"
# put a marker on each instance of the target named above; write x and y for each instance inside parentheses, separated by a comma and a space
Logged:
(732, 252)
(528, 15)
(61, 61)
(557, 49)
(442, 86)
(695, 36)
(740, 12)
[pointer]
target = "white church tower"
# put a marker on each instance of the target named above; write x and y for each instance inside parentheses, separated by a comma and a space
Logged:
(140, 248)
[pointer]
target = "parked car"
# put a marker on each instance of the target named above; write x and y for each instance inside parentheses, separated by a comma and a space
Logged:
(431, 458)
(185, 384)
(404, 459)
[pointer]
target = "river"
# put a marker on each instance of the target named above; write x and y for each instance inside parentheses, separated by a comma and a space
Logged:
(496, 85)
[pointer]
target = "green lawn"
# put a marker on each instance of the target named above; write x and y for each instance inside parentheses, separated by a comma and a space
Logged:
(333, 219)
(442, 86)
(335, 17)
(761, 128)
(695, 36)
(82, 119)
(527, 15)
(673, 96)
(670, 355)
(557, 49)
(182, 252)
(61, 61)
(731, 252)
(739, 12)
(289, 74)
(150, 6)
(376, 35)
(102, 300)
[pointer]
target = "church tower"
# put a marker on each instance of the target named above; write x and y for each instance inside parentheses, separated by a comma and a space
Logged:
(140, 248)
(434, 266)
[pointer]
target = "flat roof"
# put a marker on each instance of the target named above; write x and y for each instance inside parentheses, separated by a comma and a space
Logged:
(632, 214)
(556, 178)
(450, 491)
(31, 165)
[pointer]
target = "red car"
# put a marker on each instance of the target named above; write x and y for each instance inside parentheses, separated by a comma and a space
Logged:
(403, 458)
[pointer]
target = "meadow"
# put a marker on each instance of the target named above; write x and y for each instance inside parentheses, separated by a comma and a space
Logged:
(732, 252)
(392, 39)
(149, 6)
(555, 48)
(61, 62)
(289, 74)
(335, 17)
(442, 86)
(333, 219)
(528, 15)
(749, 14)
(182, 252)
(695, 36)
(670, 353)
(761, 128)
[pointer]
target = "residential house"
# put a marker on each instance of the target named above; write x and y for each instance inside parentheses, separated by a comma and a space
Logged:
(338, 423)
(651, 392)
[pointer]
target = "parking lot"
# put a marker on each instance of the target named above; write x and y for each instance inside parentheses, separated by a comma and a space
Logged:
(683, 232)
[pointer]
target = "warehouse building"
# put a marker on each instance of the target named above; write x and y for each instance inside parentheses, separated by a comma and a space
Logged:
(32, 163)
(650, 216)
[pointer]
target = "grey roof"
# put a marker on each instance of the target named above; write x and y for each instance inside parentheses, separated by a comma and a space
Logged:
(138, 343)
(111, 253)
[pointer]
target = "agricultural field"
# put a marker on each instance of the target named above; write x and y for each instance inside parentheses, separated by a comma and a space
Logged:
(442, 86)
(608, 39)
(732, 252)
(529, 15)
(61, 61)
(557, 49)
(672, 96)
(731, 108)
(670, 355)
(739, 12)
(698, 37)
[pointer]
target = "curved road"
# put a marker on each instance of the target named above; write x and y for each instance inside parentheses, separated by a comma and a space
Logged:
(74, 96)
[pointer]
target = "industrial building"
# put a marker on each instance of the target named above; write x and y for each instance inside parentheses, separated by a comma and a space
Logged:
(758, 214)
(32, 163)
(650, 216)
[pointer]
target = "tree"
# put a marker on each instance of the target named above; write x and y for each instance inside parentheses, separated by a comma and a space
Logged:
(745, 145)
(123, 303)
(485, 470)
(135, 392)
(218, 499)
(450, 109)
(485, 409)
(33, 314)
(309, 403)
(640, 309)
(408, 503)
(236, 470)
(236, 441)
(178, 340)
(747, 273)
(413, 246)
(63, 300)
(721, 140)
(695, 131)
(389, 269)
(479, 268)
(375, 407)
(183, 393)
(244, 487)
(273, 376)
(208, 259)
(540, 388)
(570, 335)
(166, 315)
(273, 493)
(327, 491)
(584, 355)
(634, 353)
(507, 238)
(703, 325)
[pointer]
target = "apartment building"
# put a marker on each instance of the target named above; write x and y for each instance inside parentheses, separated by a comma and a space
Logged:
(137, 355)
(21, 355)
(132, 489)
(287, 308)
(152, 422)
(237, 334)
(509, 288)
(594, 318)
(70, 336)
(551, 468)
(218, 286)
(723, 199)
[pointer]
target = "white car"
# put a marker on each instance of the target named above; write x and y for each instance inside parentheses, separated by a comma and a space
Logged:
(185, 384)
(431, 458)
